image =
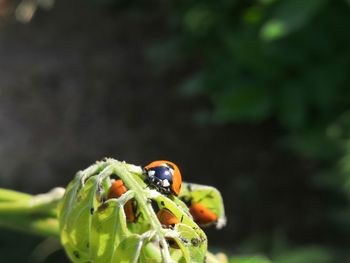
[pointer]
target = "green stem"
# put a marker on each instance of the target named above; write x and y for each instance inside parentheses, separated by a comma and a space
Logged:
(23, 208)
(42, 226)
(31, 214)
(10, 195)
(39, 204)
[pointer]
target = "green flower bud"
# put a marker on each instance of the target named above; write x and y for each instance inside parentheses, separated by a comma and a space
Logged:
(94, 228)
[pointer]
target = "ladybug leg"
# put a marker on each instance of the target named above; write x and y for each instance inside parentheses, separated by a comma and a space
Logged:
(153, 180)
(167, 190)
(158, 183)
(149, 180)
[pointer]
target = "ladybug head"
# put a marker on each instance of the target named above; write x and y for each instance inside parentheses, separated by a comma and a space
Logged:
(160, 177)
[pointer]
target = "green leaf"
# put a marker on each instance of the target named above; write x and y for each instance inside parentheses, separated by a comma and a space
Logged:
(305, 255)
(254, 259)
(75, 218)
(209, 196)
(108, 229)
(199, 19)
(289, 16)
(195, 246)
(243, 103)
(292, 104)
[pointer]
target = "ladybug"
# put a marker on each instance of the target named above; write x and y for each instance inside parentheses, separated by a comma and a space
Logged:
(165, 176)
(202, 215)
(167, 218)
(115, 191)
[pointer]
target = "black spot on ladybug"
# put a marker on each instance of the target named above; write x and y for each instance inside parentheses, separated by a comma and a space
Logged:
(76, 254)
(162, 203)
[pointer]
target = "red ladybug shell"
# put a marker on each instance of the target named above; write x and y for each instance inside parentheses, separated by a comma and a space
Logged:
(202, 215)
(115, 191)
(175, 185)
(167, 218)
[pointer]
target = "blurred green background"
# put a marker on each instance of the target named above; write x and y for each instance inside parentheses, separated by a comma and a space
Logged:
(252, 97)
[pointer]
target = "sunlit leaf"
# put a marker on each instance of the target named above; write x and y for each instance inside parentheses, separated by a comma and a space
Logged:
(289, 15)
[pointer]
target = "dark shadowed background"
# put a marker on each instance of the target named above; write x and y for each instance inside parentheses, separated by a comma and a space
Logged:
(251, 97)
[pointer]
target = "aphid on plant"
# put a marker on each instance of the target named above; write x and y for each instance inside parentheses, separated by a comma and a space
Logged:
(165, 176)
(115, 191)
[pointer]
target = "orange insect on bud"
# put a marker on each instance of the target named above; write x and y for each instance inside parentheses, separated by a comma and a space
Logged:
(202, 215)
(167, 218)
(115, 191)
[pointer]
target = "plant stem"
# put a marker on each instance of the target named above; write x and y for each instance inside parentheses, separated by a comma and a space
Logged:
(23, 208)
(10, 195)
(31, 214)
(38, 204)
(42, 226)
